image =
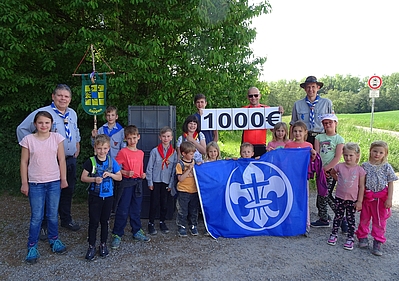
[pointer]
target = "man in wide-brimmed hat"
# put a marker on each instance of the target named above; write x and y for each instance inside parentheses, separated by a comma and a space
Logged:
(311, 108)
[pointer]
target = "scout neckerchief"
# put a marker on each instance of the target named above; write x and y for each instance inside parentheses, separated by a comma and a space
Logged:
(195, 135)
(312, 106)
(113, 131)
(165, 158)
(65, 116)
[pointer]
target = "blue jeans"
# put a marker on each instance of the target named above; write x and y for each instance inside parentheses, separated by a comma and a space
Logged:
(41, 194)
(187, 207)
(129, 206)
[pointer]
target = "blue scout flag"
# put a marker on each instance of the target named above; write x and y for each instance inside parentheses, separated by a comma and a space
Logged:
(248, 197)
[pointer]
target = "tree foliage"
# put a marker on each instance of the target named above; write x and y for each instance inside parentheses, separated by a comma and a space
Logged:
(349, 94)
(163, 53)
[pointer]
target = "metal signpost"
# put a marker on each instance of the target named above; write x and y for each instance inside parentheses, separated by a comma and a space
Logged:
(374, 83)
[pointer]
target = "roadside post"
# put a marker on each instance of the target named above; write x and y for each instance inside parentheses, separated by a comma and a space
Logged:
(374, 83)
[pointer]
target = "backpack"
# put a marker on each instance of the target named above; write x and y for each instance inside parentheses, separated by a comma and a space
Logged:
(93, 187)
(173, 191)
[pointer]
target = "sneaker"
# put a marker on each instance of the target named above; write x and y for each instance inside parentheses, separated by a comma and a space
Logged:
(206, 233)
(194, 230)
(140, 236)
(376, 251)
(332, 240)
(320, 223)
(163, 227)
(116, 241)
(344, 226)
(57, 246)
(103, 250)
(91, 252)
(33, 255)
(151, 229)
(71, 226)
(348, 244)
(43, 234)
(182, 231)
(363, 243)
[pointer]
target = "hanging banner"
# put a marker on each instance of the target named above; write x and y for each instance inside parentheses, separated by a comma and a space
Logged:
(94, 88)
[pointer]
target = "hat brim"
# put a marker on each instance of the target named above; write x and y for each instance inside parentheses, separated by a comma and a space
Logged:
(320, 84)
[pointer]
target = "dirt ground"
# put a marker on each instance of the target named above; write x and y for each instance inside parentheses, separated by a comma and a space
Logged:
(169, 257)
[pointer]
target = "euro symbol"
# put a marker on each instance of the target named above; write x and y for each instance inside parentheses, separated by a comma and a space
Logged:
(273, 118)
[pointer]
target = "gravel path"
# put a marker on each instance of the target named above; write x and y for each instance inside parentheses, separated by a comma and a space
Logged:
(168, 257)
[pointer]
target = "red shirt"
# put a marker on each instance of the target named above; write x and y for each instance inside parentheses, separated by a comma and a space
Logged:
(255, 136)
(131, 160)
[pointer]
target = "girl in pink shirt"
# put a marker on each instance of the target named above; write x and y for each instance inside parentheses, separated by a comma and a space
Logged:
(300, 133)
(280, 137)
(349, 193)
(43, 174)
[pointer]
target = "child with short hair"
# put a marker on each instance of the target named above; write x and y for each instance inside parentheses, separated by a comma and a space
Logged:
(187, 199)
(43, 175)
(201, 103)
(212, 152)
(100, 171)
(160, 175)
(115, 132)
(130, 159)
(329, 146)
(192, 133)
(247, 150)
(378, 194)
(280, 137)
(349, 193)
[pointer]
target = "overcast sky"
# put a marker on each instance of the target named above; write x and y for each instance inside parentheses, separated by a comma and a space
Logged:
(320, 37)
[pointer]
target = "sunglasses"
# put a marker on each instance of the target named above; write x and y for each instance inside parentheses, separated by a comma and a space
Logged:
(253, 96)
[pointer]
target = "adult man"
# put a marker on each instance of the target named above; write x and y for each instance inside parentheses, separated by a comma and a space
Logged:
(311, 108)
(256, 137)
(65, 123)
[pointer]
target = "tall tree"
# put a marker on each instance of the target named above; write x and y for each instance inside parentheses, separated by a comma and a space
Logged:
(163, 53)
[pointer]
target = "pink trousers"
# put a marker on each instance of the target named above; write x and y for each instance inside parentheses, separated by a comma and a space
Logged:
(373, 210)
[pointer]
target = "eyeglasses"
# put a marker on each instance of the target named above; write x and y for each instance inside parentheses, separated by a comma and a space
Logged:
(253, 96)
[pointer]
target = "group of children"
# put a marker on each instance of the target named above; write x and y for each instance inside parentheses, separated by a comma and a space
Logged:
(116, 172)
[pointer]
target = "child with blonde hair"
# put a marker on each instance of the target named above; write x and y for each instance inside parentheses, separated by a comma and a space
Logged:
(212, 152)
(280, 137)
(349, 193)
(377, 201)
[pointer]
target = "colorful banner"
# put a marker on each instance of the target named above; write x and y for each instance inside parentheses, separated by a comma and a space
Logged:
(94, 93)
(248, 197)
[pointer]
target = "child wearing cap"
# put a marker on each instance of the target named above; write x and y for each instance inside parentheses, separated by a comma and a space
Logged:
(329, 145)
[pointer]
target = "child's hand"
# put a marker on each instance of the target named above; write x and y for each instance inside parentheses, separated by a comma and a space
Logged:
(25, 189)
(98, 180)
(190, 139)
(142, 176)
(64, 184)
(388, 203)
(358, 206)
(151, 187)
(94, 133)
(313, 154)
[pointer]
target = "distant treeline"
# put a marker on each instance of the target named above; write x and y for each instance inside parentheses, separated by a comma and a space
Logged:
(349, 94)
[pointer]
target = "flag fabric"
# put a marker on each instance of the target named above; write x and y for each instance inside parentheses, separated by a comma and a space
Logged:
(248, 197)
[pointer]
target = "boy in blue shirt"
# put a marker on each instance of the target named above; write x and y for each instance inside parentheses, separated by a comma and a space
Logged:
(100, 171)
(115, 132)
